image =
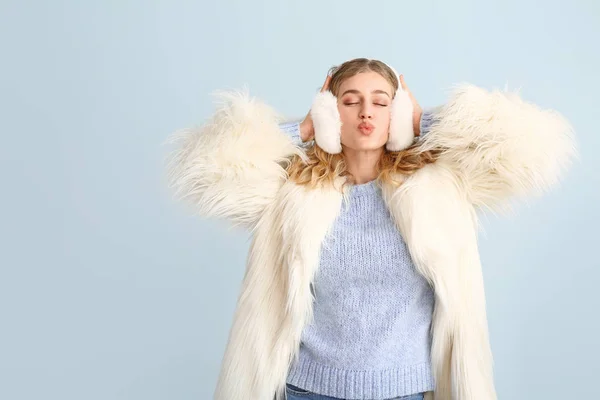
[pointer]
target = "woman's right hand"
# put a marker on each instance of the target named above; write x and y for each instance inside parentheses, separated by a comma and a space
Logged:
(307, 128)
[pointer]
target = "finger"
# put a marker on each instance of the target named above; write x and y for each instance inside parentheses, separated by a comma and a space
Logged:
(403, 83)
(326, 83)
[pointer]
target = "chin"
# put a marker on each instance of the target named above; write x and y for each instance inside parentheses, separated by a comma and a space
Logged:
(365, 146)
(365, 143)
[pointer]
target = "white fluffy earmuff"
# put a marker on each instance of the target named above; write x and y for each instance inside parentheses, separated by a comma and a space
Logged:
(328, 125)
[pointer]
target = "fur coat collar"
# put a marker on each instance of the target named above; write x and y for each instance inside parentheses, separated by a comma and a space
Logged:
(495, 147)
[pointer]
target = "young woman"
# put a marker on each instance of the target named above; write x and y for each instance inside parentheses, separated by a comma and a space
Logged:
(363, 280)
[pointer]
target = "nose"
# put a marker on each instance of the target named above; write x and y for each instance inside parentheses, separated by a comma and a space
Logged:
(366, 112)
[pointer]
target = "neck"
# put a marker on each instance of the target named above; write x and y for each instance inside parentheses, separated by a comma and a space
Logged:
(362, 164)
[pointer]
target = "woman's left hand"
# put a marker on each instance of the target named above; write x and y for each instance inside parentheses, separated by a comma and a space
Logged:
(417, 110)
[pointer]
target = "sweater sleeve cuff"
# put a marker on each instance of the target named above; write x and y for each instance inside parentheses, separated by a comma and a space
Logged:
(427, 119)
(292, 129)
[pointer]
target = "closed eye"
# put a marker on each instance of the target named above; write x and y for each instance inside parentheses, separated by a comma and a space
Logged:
(377, 104)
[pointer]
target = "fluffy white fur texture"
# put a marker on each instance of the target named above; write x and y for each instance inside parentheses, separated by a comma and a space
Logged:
(501, 146)
(402, 133)
(327, 122)
(276, 302)
(496, 146)
(234, 164)
(440, 229)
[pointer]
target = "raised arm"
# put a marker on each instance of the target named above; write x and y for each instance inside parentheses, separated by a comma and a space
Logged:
(232, 165)
(499, 145)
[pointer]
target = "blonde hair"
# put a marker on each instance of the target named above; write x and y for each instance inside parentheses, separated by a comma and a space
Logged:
(322, 167)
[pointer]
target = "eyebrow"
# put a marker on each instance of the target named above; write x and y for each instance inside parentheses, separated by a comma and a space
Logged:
(354, 91)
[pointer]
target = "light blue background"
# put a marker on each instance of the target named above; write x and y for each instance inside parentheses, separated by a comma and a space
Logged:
(109, 290)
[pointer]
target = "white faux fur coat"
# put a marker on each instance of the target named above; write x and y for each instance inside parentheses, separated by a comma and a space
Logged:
(497, 147)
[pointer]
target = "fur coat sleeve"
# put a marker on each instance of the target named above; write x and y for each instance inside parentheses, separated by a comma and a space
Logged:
(500, 146)
(232, 165)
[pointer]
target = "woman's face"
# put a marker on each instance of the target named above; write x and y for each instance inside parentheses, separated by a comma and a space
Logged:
(364, 102)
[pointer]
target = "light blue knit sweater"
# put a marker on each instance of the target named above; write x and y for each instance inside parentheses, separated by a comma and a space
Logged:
(370, 337)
